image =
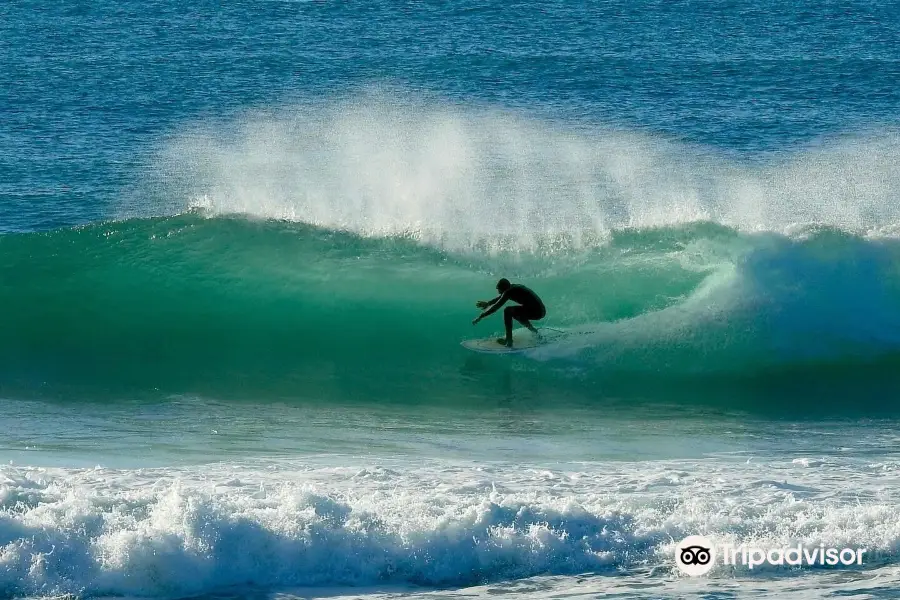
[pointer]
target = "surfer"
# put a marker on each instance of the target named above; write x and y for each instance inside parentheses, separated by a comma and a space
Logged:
(530, 308)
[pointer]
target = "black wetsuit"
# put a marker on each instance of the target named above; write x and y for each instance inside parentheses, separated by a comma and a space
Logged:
(530, 306)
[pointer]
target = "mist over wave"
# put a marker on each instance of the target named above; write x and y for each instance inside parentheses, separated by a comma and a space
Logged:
(463, 177)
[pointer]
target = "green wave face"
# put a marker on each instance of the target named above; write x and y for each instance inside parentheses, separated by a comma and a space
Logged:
(188, 304)
(238, 308)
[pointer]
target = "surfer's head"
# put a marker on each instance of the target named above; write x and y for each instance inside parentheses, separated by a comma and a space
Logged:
(503, 285)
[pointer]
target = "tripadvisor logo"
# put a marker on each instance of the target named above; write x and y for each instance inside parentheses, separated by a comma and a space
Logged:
(696, 555)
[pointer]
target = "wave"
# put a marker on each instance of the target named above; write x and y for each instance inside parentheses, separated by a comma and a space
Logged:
(331, 251)
(230, 306)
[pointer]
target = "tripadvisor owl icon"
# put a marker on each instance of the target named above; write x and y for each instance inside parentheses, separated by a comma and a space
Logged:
(695, 555)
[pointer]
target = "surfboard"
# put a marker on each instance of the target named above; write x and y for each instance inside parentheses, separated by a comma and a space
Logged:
(523, 340)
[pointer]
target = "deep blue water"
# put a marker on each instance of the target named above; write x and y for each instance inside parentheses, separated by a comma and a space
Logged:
(89, 90)
(241, 241)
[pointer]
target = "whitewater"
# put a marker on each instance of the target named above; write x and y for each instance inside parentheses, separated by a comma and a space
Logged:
(516, 499)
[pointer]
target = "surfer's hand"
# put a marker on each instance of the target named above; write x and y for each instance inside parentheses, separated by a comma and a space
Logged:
(481, 304)
(475, 320)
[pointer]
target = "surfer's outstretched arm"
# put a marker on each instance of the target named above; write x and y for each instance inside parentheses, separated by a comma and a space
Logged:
(485, 303)
(493, 306)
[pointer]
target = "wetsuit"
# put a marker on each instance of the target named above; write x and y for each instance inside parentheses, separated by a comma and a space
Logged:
(530, 307)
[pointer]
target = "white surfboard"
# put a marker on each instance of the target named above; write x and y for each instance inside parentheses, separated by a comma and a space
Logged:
(523, 340)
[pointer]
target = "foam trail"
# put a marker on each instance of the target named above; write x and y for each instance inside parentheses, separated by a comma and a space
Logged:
(823, 298)
(464, 178)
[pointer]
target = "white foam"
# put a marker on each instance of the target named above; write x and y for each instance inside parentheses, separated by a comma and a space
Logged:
(196, 530)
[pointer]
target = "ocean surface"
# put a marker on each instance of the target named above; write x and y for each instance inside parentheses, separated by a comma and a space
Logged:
(241, 242)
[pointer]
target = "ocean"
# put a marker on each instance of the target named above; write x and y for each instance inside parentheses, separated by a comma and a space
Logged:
(241, 242)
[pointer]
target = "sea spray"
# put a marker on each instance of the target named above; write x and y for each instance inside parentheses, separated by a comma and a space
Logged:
(470, 178)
